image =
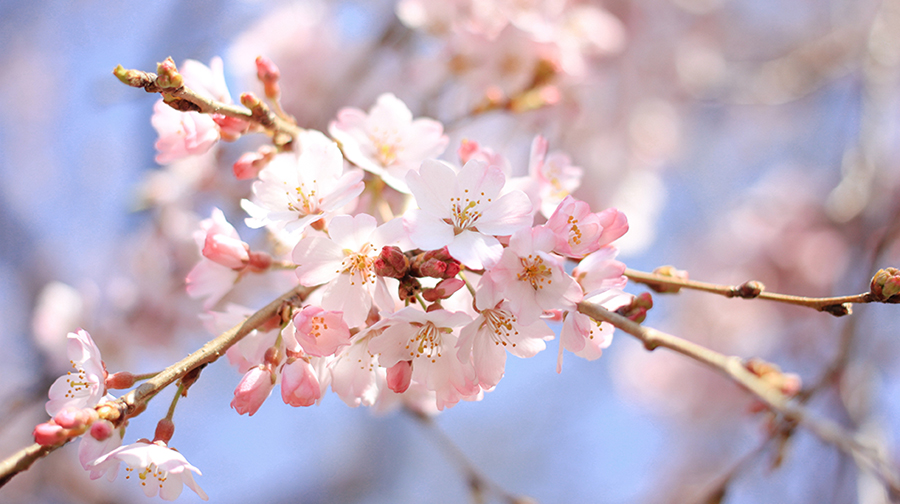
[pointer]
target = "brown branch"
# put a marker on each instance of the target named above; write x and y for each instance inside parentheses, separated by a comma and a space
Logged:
(837, 306)
(185, 99)
(734, 368)
(134, 402)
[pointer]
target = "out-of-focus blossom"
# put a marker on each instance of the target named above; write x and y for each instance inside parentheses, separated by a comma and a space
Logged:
(388, 141)
(555, 174)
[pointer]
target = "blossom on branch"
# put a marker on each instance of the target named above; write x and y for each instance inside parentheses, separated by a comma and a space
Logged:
(160, 469)
(387, 141)
(464, 211)
(85, 385)
(296, 189)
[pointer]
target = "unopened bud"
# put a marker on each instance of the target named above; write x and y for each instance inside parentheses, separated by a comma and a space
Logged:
(787, 383)
(102, 429)
(638, 308)
(409, 287)
(273, 356)
(110, 411)
(671, 272)
(885, 285)
(249, 164)
(399, 376)
(259, 261)
(391, 262)
(120, 380)
(444, 289)
(165, 428)
(250, 100)
(74, 418)
(268, 73)
(49, 434)
(435, 264)
(134, 78)
(169, 78)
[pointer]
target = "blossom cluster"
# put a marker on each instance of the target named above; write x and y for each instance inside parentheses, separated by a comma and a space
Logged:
(388, 319)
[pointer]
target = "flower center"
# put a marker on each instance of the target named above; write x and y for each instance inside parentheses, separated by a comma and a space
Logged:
(464, 212)
(500, 326)
(534, 271)
(359, 265)
(426, 341)
(302, 200)
(152, 472)
(387, 146)
(575, 235)
(79, 385)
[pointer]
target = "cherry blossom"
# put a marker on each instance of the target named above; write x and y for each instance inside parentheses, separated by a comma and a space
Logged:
(183, 134)
(555, 175)
(303, 382)
(496, 331)
(321, 332)
(356, 376)
(531, 278)
(463, 212)
(387, 141)
(600, 271)
(584, 336)
(580, 232)
(85, 385)
(294, 190)
(427, 340)
(160, 469)
(345, 262)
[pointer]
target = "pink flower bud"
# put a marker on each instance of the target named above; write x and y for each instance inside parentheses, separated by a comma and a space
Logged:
(392, 262)
(120, 380)
(252, 391)
(101, 430)
(259, 261)
(443, 290)
(168, 75)
(268, 73)
(399, 375)
(48, 434)
(73, 418)
(249, 164)
(299, 384)
(230, 128)
(164, 430)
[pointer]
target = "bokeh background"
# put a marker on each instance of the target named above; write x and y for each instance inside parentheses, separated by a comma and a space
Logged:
(745, 139)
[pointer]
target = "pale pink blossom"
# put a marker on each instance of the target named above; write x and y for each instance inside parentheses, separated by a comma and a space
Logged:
(183, 134)
(556, 175)
(296, 189)
(210, 281)
(427, 340)
(345, 263)
(85, 385)
(600, 271)
(160, 469)
(584, 336)
(464, 211)
(356, 376)
(90, 449)
(387, 141)
(254, 389)
(531, 278)
(321, 332)
(496, 331)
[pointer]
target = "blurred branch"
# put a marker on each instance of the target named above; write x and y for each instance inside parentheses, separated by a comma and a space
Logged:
(133, 403)
(837, 306)
(478, 482)
(734, 368)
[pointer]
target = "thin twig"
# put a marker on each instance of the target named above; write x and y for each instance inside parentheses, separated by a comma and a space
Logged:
(733, 367)
(838, 306)
(133, 402)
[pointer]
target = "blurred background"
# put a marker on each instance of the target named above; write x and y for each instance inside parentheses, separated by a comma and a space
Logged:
(744, 139)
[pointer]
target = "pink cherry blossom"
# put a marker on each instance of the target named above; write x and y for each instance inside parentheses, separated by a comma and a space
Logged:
(496, 331)
(427, 340)
(464, 211)
(584, 336)
(580, 232)
(556, 176)
(345, 262)
(533, 279)
(321, 332)
(210, 281)
(387, 141)
(91, 449)
(294, 190)
(253, 390)
(600, 271)
(160, 469)
(356, 376)
(85, 385)
(183, 134)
